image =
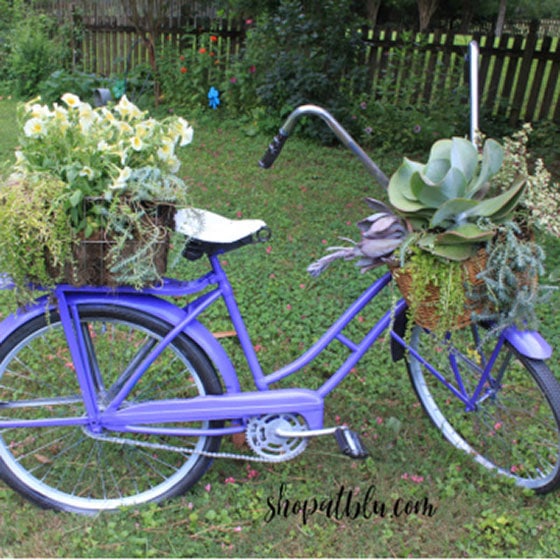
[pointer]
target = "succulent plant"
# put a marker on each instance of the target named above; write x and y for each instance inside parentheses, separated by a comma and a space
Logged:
(445, 198)
(381, 234)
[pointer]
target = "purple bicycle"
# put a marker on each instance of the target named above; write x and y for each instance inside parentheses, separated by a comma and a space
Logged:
(116, 397)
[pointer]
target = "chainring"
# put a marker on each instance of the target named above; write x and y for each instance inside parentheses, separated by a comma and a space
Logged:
(262, 438)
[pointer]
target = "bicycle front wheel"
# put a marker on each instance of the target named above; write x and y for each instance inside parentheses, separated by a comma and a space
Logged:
(69, 468)
(513, 425)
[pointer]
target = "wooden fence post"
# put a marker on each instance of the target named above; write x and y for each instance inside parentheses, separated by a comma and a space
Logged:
(524, 73)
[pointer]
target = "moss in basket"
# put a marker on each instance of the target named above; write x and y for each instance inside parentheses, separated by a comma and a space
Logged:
(31, 219)
(429, 272)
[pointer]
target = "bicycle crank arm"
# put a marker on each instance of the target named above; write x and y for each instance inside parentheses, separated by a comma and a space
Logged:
(348, 441)
(229, 406)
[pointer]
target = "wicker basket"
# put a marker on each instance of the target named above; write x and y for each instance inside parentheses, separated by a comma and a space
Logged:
(91, 261)
(428, 311)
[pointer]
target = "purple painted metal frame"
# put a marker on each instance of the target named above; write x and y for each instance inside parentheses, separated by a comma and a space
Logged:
(233, 404)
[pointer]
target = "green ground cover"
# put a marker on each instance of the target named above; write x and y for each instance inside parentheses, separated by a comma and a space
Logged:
(312, 196)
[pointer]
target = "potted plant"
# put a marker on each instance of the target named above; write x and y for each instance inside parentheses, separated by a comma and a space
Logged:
(454, 237)
(91, 197)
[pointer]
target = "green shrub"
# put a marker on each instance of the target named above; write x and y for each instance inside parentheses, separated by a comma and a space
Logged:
(301, 54)
(35, 47)
(394, 118)
(186, 74)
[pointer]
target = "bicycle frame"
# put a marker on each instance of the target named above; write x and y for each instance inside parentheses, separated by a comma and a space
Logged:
(233, 404)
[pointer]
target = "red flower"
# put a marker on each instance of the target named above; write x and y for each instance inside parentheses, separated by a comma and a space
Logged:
(252, 69)
(213, 38)
(183, 70)
(202, 50)
(181, 58)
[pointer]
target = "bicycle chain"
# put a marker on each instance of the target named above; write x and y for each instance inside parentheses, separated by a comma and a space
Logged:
(185, 450)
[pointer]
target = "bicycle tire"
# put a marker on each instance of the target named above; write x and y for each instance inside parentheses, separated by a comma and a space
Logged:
(65, 468)
(514, 428)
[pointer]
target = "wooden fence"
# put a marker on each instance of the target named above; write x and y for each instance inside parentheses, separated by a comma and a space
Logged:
(519, 73)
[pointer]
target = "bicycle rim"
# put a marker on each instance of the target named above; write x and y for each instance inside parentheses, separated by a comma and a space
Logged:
(64, 467)
(513, 426)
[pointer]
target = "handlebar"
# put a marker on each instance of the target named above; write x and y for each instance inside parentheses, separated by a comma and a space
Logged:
(275, 147)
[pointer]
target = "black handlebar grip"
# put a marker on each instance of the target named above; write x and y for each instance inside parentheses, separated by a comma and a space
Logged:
(273, 150)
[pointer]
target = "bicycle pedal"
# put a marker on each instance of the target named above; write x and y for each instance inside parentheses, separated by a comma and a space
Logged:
(350, 443)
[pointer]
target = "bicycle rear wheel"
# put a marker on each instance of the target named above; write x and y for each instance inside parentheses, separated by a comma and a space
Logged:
(66, 467)
(514, 425)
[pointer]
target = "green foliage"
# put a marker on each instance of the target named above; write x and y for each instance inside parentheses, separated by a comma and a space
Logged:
(35, 47)
(305, 53)
(35, 232)
(511, 278)
(187, 74)
(395, 117)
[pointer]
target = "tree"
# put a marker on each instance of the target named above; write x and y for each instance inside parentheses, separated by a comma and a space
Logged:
(426, 9)
(500, 20)
(147, 17)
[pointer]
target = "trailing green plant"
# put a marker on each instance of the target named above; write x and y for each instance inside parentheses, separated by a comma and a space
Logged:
(33, 225)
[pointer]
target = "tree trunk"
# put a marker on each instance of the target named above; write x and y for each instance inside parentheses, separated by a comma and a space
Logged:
(467, 13)
(426, 9)
(501, 19)
(147, 17)
(372, 9)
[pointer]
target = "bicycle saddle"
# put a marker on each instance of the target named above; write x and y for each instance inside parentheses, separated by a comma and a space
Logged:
(210, 233)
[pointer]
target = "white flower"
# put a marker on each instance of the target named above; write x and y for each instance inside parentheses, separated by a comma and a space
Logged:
(73, 101)
(166, 152)
(34, 128)
(124, 127)
(184, 131)
(102, 146)
(87, 172)
(122, 179)
(174, 164)
(137, 143)
(127, 109)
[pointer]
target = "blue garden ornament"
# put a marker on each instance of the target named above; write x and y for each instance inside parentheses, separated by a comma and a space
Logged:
(213, 97)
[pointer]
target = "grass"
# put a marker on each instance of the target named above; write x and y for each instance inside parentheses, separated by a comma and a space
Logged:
(311, 196)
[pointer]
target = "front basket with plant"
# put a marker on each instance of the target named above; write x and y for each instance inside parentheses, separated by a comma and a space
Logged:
(92, 195)
(457, 234)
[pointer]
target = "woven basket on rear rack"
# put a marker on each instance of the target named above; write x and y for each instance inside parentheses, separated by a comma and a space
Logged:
(140, 261)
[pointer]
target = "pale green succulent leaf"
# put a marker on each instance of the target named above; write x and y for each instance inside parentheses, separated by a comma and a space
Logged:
(441, 149)
(492, 158)
(452, 212)
(453, 185)
(464, 156)
(399, 190)
(453, 252)
(499, 206)
(465, 233)
(435, 170)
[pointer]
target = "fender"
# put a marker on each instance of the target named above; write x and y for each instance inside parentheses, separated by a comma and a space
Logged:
(528, 343)
(153, 305)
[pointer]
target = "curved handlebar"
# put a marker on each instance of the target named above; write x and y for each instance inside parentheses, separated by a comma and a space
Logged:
(275, 147)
